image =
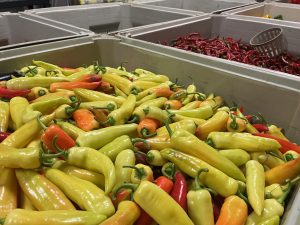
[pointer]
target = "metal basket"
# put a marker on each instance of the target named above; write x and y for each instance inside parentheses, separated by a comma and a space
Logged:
(270, 42)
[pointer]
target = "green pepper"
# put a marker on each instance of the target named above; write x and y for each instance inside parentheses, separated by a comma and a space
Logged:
(190, 144)
(245, 141)
(17, 106)
(91, 96)
(26, 133)
(44, 107)
(84, 193)
(138, 113)
(57, 217)
(214, 178)
(124, 158)
(43, 194)
(203, 112)
(98, 138)
(4, 116)
(199, 203)
(31, 82)
(238, 156)
(123, 84)
(91, 176)
(122, 114)
(255, 176)
(70, 129)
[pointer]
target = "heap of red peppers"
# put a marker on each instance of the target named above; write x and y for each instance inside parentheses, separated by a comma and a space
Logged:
(235, 50)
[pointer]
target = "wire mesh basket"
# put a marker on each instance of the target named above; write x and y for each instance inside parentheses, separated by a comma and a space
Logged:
(270, 42)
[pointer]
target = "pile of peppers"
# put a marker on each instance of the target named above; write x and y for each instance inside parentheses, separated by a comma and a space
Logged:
(101, 145)
(235, 50)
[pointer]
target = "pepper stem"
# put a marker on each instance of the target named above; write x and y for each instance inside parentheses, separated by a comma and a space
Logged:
(198, 185)
(243, 197)
(41, 92)
(130, 186)
(210, 142)
(167, 125)
(134, 119)
(140, 172)
(2, 220)
(110, 121)
(44, 127)
(168, 170)
(285, 193)
(145, 133)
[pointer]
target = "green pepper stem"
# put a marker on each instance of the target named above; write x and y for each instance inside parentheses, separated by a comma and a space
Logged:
(134, 119)
(168, 170)
(2, 220)
(145, 133)
(150, 157)
(285, 193)
(44, 127)
(41, 92)
(243, 197)
(111, 121)
(73, 98)
(140, 172)
(198, 185)
(134, 91)
(210, 142)
(167, 125)
(130, 186)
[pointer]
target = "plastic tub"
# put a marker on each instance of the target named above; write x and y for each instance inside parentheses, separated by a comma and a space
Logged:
(104, 18)
(289, 12)
(17, 30)
(207, 6)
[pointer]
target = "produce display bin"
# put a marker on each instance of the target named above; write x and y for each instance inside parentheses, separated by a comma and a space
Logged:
(17, 30)
(237, 27)
(278, 103)
(289, 12)
(109, 17)
(207, 6)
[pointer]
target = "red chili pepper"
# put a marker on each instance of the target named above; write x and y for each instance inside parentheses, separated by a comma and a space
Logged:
(73, 85)
(261, 127)
(285, 145)
(121, 196)
(165, 184)
(88, 78)
(55, 134)
(3, 135)
(10, 93)
(180, 190)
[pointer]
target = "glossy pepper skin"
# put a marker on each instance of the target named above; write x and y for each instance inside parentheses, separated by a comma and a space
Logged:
(179, 191)
(70, 129)
(216, 123)
(274, 220)
(245, 141)
(213, 178)
(8, 93)
(17, 106)
(84, 193)
(186, 124)
(283, 172)
(27, 158)
(203, 112)
(190, 144)
(4, 116)
(238, 156)
(8, 191)
(98, 138)
(199, 203)
(128, 212)
(122, 114)
(159, 205)
(124, 158)
(255, 185)
(234, 211)
(57, 217)
(31, 82)
(43, 194)
(88, 158)
(140, 172)
(95, 178)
